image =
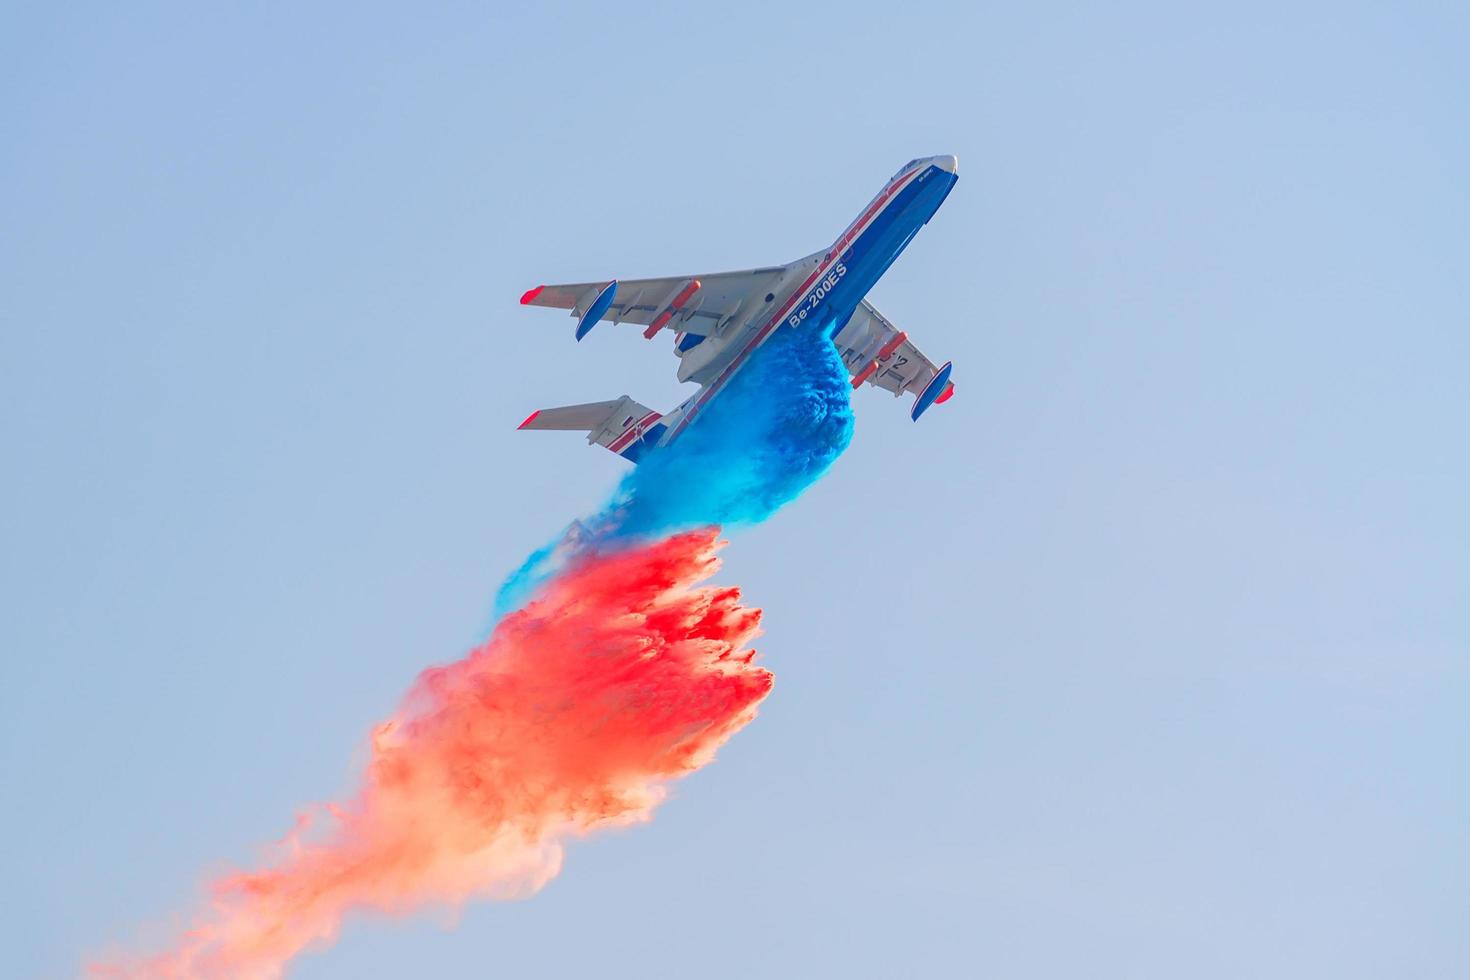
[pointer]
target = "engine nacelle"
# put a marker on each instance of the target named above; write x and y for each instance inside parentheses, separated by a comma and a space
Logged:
(701, 363)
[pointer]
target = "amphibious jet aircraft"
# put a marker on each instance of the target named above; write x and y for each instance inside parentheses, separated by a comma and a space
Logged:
(719, 320)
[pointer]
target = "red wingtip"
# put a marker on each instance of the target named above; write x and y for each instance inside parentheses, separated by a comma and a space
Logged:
(947, 395)
(529, 419)
(531, 294)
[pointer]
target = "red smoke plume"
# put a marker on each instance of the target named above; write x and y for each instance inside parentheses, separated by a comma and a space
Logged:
(623, 674)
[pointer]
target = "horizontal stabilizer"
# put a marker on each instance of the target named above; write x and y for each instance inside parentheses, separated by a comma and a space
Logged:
(621, 425)
(574, 418)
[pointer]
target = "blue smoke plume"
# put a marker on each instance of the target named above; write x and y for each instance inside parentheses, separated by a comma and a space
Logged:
(779, 425)
(781, 422)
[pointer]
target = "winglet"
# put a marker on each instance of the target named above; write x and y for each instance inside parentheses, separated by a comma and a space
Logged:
(530, 295)
(529, 419)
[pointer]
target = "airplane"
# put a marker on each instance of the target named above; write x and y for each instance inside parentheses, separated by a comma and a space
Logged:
(718, 321)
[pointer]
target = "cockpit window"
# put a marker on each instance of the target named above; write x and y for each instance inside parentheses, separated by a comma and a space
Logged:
(907, 165)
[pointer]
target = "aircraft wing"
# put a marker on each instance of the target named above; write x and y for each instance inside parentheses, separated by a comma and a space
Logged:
(877, 352)
(700, 305)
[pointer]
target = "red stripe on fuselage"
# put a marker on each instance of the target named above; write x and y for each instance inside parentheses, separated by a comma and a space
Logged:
(622, 441)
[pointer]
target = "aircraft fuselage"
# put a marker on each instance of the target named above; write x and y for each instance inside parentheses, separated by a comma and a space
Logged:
(822, 290)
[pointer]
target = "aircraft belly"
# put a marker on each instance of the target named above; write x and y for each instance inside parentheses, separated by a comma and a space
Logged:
(701, 364)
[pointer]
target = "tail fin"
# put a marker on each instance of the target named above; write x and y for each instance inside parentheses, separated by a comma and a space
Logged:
(621, 425)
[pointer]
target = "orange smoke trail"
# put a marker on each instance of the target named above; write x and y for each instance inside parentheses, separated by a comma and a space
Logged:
(624, 673)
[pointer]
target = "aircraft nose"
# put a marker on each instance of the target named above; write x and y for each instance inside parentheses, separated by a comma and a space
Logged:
(949, 164)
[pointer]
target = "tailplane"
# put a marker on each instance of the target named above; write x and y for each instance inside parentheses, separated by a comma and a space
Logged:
(621, 425)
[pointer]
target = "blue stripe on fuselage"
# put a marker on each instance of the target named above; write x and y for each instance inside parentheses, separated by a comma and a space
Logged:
(634, 451)
(883, 241)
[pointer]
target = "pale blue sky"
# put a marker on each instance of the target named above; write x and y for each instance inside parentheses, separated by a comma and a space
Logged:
(1144, 657)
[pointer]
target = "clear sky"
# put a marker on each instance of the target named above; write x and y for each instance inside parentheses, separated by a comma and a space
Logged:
(1145, 656)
